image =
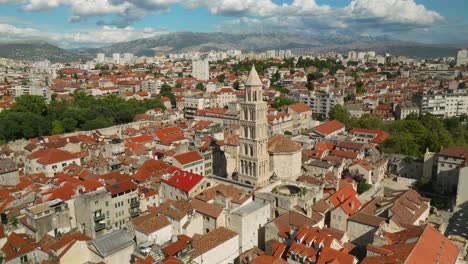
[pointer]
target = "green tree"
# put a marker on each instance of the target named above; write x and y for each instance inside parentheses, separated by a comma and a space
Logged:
(200, 86)
(338, 112)
(282, 101)
(221, 78)
(30, 103)
(166, 88)
(57, 127)
(235, 85)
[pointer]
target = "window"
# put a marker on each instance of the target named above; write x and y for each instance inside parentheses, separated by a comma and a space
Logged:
(24, 259)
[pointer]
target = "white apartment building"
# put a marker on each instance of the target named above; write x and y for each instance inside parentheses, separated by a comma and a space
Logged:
(322, 103)
(193, 104)
(116, 58)
(128, 57)
(101, 58)
(462, 57)
(446, 105)
(33, 90)
(201, 69)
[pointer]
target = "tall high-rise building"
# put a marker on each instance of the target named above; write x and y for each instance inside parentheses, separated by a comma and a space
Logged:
(201, 69)
(101, 58)
(116, 58)
(128, 57)
(462, 57)
(253, 167)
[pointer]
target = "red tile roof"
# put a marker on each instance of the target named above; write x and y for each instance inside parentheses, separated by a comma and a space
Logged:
(329, 127)
(183, 180)
(51, 156)
(121, 187)
(330, 255)
(344, 154)
(299, 108)
(460, 152)
(380, 136)
(151, 169)
(347, 199)
(18, 245)
(188, 157)
(140, 139)
(170, 134)
(414, 246)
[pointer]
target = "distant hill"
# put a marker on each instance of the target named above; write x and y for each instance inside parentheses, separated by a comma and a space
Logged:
(39, 50)
(189, 41)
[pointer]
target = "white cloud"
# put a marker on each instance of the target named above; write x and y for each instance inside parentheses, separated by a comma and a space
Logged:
(393, 11)
(104, 35)
(307, 15)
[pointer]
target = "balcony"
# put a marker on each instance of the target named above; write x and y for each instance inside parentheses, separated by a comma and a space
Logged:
(99, 217)
(98, 227)
(134, 212)
(134, 204)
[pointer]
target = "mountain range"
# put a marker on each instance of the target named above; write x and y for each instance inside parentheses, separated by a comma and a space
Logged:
(189, 41)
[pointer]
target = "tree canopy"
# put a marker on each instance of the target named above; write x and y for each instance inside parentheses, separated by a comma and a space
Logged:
(32, 117)
(414, 135)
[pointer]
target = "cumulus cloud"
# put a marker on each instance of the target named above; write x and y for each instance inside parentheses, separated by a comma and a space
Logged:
(357, 17)
(393, 11)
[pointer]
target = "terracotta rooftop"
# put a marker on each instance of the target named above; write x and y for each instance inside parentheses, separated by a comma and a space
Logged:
(52, 156)
(213, 239)
(282, 144)
(299, 108)
(183, 180)
(188, 157)
(329, 127)
(150, 223)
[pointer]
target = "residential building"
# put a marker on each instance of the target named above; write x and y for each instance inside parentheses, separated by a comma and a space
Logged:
(412, 245)
(322, 103)
(450, 162)
(50, 161)
(444, 105)
(19, 248)
(301, 116)
(180, 184)
(462, 57)
(124, 203)
(191, 161)
(218, 246)
(151, 228)
(9, 174)
(193, 104)
(405, 109)
(201, 69)
(116, 247)
(327, 130)
(49, 217)
(247, 220)
(94, 217)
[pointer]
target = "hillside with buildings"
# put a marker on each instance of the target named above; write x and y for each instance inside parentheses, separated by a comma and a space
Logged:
(234, 157)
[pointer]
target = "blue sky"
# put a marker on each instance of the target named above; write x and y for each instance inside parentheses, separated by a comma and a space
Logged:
(75, 23)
